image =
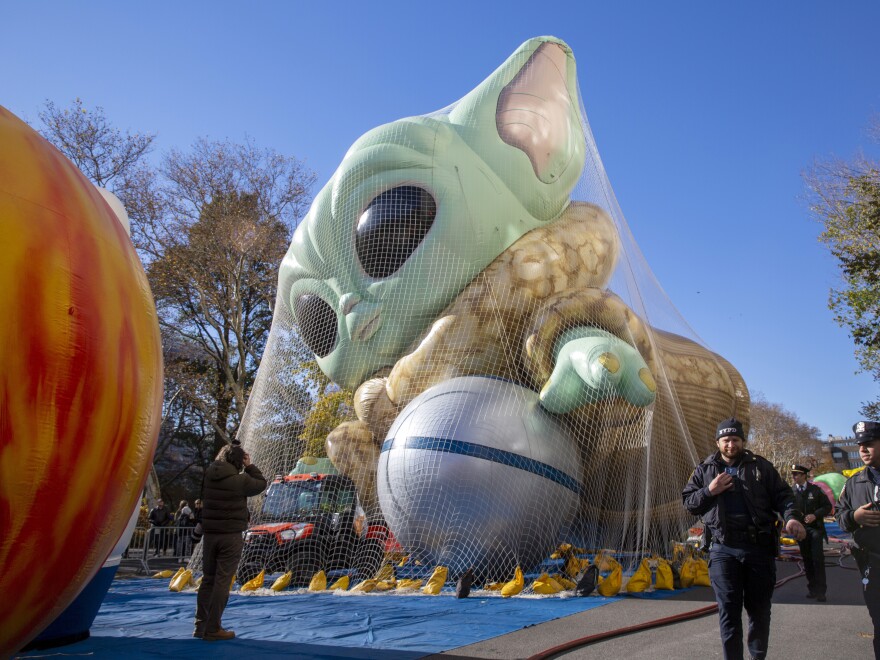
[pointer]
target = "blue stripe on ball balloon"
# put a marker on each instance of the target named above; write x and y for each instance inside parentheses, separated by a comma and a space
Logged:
(450, 446)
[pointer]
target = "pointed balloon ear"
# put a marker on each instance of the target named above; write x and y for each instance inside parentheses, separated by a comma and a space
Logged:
(524, 121)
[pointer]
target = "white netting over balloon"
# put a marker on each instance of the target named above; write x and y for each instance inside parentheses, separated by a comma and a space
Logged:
(520, 380)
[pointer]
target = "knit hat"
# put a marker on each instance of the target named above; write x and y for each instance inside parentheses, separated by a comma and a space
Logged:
(730, 426)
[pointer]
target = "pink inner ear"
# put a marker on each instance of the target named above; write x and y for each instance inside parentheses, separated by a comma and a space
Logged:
(534, 111)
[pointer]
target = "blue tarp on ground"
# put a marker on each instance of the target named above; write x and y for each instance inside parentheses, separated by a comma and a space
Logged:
(140, 618)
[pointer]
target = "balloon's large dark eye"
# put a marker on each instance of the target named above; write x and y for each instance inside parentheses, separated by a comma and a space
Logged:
(392, 227)
(317, 323)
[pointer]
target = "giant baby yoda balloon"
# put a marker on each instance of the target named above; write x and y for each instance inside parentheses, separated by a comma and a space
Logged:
(461, 244)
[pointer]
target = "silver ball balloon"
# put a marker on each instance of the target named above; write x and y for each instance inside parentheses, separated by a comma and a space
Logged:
(475, 474)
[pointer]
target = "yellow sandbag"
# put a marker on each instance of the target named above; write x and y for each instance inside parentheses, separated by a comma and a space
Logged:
(318, 582)
(365, 587)
(404, 560)
(610, 585)
(198, 583)
(436, 581)
(167, 573)
(386, 585)
(544, 584)
(563, 550)
(516, 585)
(182, 579)
(701, 579)
(282, 582)
(688, 572)
(605, 562)
(403, 585)
(574, 566)
(386, 572)
(231, 582)
(787, 540)
(665, 578)
(256, 583)
(641, 579)
(564, 582)
(494, 586)
(341, 583)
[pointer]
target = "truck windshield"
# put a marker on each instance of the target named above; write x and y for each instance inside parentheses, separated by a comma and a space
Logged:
(291, 499)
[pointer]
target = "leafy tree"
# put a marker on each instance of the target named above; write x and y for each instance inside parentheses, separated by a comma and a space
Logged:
(211, 226)
(215, 228)
(332, 406)
(845, 198)
(781, 437)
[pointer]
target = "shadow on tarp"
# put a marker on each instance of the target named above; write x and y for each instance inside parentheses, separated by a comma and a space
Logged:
(140, 618)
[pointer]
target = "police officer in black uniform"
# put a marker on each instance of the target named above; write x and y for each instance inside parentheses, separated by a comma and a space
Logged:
(740, 495)
(858, 512)
(815, 505)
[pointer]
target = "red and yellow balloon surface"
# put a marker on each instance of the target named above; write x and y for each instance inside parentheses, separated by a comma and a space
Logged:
(80, 381)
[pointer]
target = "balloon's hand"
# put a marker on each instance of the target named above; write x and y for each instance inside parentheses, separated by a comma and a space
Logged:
(592, 365)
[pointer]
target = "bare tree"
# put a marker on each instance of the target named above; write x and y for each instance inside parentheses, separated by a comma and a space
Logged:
(102, 152)
(781, 437)
(211, 225)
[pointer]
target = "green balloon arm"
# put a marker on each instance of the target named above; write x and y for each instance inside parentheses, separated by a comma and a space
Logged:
(592, 365)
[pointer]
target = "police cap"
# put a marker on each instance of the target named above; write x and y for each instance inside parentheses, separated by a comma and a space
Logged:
(866, 431)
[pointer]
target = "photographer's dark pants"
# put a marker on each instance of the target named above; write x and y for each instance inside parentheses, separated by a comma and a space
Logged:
(813, 554)
(743, 576)
(221, 553)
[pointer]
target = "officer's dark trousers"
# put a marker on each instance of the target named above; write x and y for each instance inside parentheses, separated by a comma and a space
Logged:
(221, 553)
(872, 600)
(813, 554)
(743, 577)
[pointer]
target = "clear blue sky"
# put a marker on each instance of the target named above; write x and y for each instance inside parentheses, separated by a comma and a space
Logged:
(705, 115)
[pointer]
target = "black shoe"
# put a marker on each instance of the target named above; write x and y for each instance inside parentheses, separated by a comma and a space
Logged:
(821, 599)
(587, 583)
(810, 594)
(463, 588)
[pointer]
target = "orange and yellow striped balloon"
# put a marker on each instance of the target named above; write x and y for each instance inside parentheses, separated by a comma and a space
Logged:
(80, 381)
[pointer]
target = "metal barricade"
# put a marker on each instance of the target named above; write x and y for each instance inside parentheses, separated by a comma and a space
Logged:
(156, 548)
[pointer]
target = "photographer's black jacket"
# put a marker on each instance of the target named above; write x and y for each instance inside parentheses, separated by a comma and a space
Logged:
(765, 492)
(224, 502)
(858, 491)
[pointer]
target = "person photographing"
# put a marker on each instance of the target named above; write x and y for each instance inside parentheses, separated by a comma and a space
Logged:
(740, 496)
(229, 481)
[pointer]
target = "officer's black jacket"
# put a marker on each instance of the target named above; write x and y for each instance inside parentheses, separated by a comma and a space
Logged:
(857, 491)
(765, 492)
(814, 501)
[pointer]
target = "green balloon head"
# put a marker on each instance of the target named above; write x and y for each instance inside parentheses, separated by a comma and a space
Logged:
(418, 207)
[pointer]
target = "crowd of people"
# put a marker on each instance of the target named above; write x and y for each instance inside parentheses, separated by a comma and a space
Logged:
(174, 532)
